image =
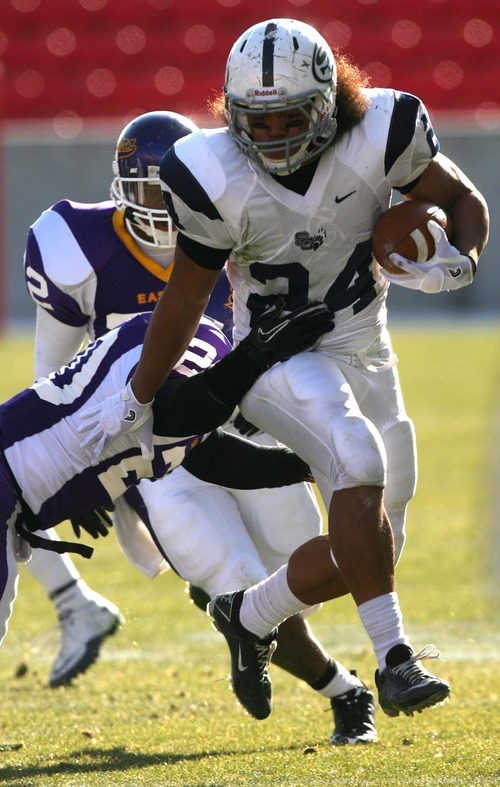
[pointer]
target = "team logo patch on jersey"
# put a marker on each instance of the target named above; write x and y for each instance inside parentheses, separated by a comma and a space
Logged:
(307, 242)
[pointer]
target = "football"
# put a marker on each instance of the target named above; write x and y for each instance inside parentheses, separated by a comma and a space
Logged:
(403, 229)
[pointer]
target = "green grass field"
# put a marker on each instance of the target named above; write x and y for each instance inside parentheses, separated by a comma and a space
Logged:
(156, 709)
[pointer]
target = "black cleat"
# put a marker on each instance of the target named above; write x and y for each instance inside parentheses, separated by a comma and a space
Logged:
(354, 716)
(408, 687)
(250, 656)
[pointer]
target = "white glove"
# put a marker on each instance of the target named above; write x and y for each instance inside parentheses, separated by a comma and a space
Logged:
(447, 269)
(117, 415)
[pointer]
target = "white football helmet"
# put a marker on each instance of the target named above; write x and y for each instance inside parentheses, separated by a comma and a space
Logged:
(277, 66)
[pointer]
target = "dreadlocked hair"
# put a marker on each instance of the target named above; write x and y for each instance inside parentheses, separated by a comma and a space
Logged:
(351, 98)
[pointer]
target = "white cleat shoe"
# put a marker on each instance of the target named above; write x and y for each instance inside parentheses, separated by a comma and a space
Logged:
(83, 631)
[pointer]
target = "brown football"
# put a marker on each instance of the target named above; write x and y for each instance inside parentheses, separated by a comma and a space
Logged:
(403, 229)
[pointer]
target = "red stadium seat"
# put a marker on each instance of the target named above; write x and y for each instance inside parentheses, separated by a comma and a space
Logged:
(124, 45)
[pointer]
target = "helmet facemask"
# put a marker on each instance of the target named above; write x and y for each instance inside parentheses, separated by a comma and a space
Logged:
(307, 145)
(281, 66)
(138, 197)
(136, 188)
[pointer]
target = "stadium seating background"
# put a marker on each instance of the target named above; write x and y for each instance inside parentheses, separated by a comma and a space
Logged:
(78, 59)
(74, 72)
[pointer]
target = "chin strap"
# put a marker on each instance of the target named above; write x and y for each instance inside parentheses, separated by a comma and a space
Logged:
(27, 522)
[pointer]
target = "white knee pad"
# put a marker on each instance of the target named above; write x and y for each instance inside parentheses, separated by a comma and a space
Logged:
(307, 404)
(400, 444)
(359, 452)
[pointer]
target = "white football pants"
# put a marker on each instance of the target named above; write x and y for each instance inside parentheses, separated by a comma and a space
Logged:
(215, 538)
(346, 418)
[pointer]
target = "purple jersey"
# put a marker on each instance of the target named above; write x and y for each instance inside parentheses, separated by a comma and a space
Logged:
(85, 269)
(38, 427)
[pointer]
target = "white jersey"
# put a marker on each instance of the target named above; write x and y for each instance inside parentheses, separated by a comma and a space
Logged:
(317, 246)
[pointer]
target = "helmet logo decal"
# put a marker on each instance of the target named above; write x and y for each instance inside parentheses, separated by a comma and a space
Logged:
(268, 55)
(126, 147)
(321, 65)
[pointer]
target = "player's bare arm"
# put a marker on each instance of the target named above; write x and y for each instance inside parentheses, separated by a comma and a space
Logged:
(446, 185)
(173, 324)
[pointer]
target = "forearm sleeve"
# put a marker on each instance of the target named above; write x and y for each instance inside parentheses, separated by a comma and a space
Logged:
(199, 404)
(55, 343)
(227, 460)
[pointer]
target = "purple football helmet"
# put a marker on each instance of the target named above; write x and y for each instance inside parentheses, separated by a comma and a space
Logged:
(136, 186)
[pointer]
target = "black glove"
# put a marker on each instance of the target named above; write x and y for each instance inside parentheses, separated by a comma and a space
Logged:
(276, 337)
(244, 427)
(96, 522)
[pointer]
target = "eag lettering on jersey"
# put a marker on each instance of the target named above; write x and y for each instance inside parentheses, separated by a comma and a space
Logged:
(148, 298)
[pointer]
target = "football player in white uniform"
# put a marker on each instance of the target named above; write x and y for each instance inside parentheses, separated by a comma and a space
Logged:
(289, 193)
(89, 266)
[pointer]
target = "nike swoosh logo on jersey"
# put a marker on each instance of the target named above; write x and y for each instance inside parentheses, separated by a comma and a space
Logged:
(341, 199)
(241, 666)
(130, 416)
(266, 336)
(455, 273)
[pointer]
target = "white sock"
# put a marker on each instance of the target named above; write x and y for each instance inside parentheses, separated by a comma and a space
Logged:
(268, 604)
(383, 622)
(52, 570)
(341, 682)
(73, 596)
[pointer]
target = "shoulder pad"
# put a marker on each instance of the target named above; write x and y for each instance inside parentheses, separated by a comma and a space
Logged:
(196, 153)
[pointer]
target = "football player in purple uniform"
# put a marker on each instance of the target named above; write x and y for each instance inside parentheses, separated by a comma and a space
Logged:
(289, 193)
(45, 474)
(90, 266)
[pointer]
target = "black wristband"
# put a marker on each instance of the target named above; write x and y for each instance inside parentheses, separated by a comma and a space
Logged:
(474, 264)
